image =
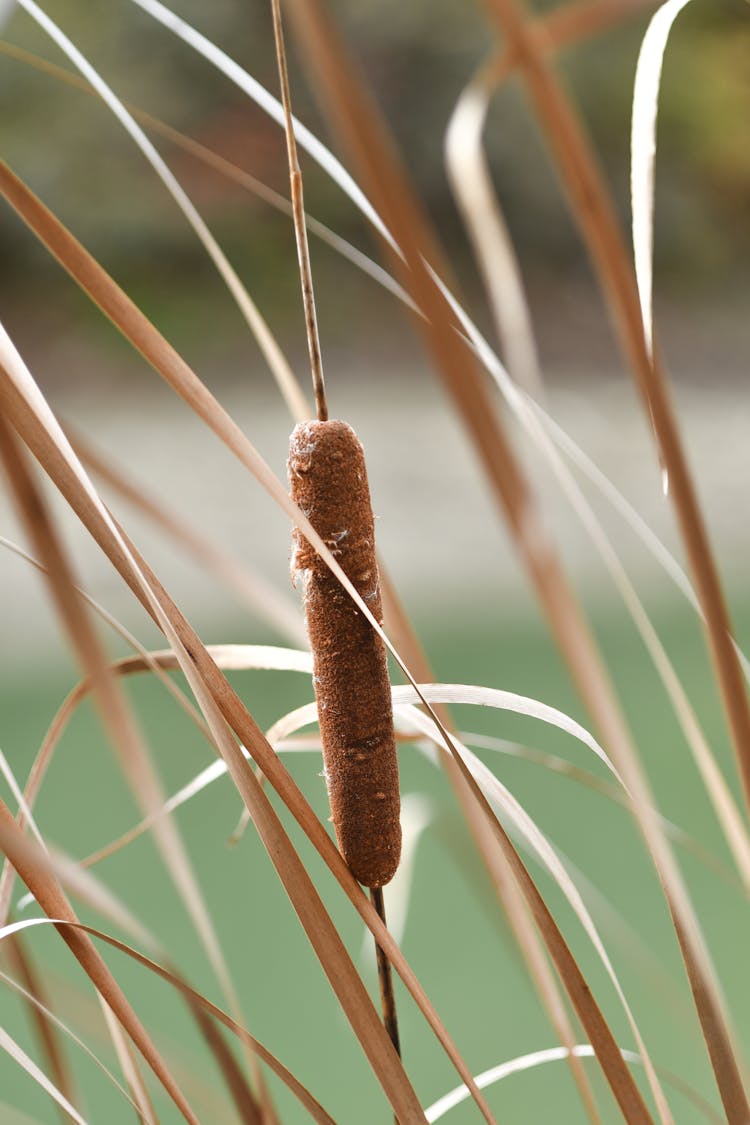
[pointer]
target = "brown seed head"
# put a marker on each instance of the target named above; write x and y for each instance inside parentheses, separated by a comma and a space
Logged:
(328, 481)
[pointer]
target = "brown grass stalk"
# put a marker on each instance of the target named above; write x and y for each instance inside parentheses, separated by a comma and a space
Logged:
(364, 135)
(507, 892)
(117, 719)
(53, 902)
(47, 1033)
(242, 1096)
(34, 863)
(171, 367)
(201, 670)
(594, 213)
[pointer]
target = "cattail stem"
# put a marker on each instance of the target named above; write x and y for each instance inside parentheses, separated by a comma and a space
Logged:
(328, 481)
(385, 976)
(300, 224)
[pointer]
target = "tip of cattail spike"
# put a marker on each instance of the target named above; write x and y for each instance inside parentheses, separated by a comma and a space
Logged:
(328, 481)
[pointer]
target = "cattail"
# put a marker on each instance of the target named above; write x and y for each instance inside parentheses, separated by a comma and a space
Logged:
(328, 481)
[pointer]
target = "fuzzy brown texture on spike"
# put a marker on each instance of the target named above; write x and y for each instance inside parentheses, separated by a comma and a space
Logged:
(328, 481)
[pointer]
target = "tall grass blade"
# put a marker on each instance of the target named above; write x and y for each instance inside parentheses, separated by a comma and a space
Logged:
(19, 1056)
(258, 326)
(32, 415)
(71, 928)
(46, 1025)
(438, 1109)
(643, 155)
(117, 719)
(596, 218)
(51, 899)
(30, 995)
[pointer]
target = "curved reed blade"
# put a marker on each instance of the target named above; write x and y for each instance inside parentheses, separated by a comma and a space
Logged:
(71, 928)
(33, 1001)
(594, 212)
(118, 721)
(643, 156)
(41, 430)
(19, 1056)
(51, 899)
(535, 1059)
(46, 1026)
(173, 368)
(267, 342)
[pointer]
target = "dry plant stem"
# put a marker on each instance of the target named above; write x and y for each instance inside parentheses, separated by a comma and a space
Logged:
(22, 849)
(387, 997)
(365, 136)
(117, 719)
(500, 875)
(385, 978)
(90, 275)
(594, 212)
(44, 440)
(595, 215)
(244, 1102)
(48, 894)
(46, 1031)
(151, 594)
(472, 186)
(129, 1066)
(300, 228)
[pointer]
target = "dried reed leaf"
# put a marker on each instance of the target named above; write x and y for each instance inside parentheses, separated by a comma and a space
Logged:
(247, 307)
(534, 1059)
(118, 721)
(537, 423)
(47, 892)
(19, 1056)
(643, 155)
(32, 998)
(129, 1066)
(71, 928)
(46, 1025)
(613, 793)
(471, 184)
(595, 215)
(41, 430)
(242, 1095)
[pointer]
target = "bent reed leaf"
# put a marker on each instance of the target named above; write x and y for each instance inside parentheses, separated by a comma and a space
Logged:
(166, 361)
(70, 928)
(39, 427)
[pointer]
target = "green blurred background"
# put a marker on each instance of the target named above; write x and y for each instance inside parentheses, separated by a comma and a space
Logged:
(438, 530)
